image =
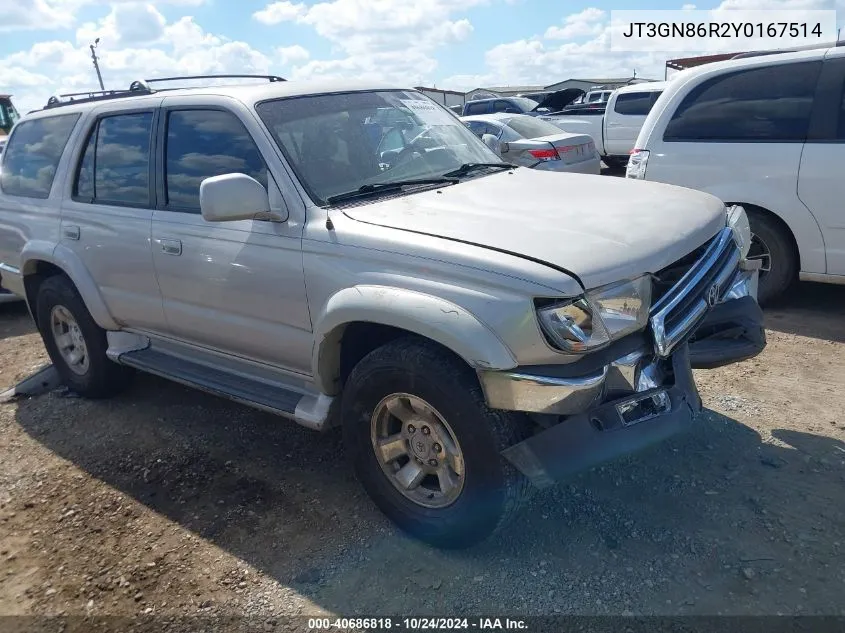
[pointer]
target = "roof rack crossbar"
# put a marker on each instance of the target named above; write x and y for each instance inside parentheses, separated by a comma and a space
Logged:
(270, 78)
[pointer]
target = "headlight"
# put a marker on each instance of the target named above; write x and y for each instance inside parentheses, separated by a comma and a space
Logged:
(599, 317)
(738, 221)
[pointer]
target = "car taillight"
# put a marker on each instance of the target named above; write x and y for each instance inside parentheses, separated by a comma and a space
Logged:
(637, 164)
(545, 154)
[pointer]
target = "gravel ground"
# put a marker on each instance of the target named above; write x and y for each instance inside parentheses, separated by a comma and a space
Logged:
(170, 502)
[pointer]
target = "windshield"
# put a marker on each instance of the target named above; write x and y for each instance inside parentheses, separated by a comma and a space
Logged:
(529, 127)
(8, 114)
(336, 143)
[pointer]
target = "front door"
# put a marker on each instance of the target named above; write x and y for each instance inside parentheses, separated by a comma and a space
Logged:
(106, 220)
(236, 287)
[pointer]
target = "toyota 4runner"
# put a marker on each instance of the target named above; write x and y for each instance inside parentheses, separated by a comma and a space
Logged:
(290, 246)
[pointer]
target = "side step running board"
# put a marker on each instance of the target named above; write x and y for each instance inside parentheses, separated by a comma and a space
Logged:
(311, 411)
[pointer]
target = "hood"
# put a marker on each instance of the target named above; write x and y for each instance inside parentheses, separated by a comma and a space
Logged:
(560, 99)
(597, 228)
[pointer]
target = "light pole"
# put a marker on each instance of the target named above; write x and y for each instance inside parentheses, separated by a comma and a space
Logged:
(96, 65)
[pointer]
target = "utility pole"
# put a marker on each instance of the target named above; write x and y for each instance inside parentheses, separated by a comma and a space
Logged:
(96, 65)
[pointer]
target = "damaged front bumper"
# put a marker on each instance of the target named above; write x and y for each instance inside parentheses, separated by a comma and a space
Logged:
(627, 397)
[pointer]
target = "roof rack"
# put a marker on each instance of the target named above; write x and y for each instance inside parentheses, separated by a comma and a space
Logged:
(140, 87)
(809, 47)
(270, 78)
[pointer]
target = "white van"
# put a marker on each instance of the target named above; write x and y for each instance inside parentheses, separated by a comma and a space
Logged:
(615, 128)
(767, 132)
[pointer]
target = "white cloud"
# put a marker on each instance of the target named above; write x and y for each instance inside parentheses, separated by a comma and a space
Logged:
(587, 22)
(388, 40)
(126, 24)
(292, 54)
(146, 47)
(21, 15)
(278, 12)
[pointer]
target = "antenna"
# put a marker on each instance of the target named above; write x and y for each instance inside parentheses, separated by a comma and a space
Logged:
(96, 65)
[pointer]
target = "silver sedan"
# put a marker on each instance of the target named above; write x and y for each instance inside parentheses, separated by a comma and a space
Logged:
(531, 142)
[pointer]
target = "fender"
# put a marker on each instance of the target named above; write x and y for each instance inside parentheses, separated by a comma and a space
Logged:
(69, 262)
(432, 317)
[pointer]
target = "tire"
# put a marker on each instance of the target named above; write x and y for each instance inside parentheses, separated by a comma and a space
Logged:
(98, 377)
(771, 235)
(492, 490)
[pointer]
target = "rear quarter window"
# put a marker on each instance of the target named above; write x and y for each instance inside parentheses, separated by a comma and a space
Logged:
(768, 104)
(635, 103)
(32, 155)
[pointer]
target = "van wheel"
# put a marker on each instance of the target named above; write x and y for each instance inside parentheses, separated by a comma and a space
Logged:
(772, 247)
(426, 447)
(75, 343)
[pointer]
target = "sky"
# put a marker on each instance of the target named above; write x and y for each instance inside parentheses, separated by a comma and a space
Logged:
(452, 44)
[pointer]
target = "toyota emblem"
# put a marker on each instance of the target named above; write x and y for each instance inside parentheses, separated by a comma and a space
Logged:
(713, 295)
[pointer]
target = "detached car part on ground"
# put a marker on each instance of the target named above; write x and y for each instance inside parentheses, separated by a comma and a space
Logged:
(374, 265)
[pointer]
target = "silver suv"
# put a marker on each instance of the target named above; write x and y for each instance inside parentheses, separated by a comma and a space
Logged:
(353, 255)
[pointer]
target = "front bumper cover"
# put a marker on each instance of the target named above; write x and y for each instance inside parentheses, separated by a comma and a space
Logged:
(602, 434)
(629, 404)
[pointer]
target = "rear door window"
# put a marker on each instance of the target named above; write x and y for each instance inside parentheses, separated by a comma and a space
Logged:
(769, 104)
(115, 167)
(205, 143)
(32, 155)
(635, 103)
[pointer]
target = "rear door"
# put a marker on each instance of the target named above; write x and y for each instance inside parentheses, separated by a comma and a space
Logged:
(106, 219)
(625, 115)
(820, 183)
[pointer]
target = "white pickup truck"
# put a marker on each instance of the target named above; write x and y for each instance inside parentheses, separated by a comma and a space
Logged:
(614, 128)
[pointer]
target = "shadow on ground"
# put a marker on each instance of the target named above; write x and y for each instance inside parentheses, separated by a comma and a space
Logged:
(810, 309)
(711, 521)
(15, 320)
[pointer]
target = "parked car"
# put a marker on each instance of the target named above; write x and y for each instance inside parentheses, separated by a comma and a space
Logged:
(614, 128)
(531, 142)
(552, 102)
(471, 325)
(766, 132)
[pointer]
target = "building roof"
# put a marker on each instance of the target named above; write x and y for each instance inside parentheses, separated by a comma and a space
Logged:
(691, 62)
(601, 82)
(511, 89)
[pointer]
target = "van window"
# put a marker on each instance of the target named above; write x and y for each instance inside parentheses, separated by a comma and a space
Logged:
(115, 168)
(636, 103)
(32, 155)
(769, 104)
(205, 143)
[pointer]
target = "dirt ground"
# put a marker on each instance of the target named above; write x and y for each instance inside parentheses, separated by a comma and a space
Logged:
(170, 502)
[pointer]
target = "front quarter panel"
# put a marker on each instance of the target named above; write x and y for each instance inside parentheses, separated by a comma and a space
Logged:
(475, 301)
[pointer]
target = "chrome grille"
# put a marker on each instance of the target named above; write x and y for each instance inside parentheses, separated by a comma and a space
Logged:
(676, 314)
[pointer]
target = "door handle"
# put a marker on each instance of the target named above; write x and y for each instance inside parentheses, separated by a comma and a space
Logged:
(171, 247)
(70, 232)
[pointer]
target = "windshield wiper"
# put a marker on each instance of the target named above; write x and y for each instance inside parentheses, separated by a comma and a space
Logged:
(466, 168)
(383, 187)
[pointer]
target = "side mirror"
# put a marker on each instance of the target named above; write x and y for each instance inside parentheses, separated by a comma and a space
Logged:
(233, 197)
(492, 142)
